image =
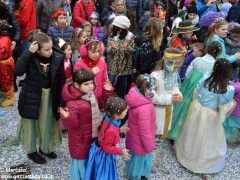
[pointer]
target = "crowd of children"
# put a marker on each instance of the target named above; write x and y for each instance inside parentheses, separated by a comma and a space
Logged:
(119, 69)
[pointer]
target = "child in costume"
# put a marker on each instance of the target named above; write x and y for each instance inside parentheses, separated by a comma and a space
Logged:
(140, 140)
(78, 39)
(195, 72)
(102, 155)
(40, 97)
(96, 25)
(59, 28)
(201, 147)
(232, 123)
(182, 41)
(166, 85)
(7, 97)
(217, 32)
(66, 48)
(119, 49)
(81, 118)
(91, 59)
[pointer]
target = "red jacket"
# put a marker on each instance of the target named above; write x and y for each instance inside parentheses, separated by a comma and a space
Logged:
(111, 138)
(26, 18)
(81, 14)
(79, 123)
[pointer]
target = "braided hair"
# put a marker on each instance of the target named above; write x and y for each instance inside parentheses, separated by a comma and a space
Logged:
(114, 106)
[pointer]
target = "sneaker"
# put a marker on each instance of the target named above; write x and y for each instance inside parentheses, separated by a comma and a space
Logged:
(35, 157)
(51, 155)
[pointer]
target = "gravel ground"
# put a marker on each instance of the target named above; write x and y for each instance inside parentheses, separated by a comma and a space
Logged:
(11, 154)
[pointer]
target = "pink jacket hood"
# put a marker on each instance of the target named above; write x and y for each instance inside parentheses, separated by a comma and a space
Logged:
(135, 99)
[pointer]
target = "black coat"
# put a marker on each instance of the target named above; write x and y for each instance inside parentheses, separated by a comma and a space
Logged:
(147, 58)
(15, 31)
(234, 13)
(30, 95)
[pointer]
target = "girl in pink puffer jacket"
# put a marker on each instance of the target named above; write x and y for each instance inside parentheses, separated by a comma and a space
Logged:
(142, 123)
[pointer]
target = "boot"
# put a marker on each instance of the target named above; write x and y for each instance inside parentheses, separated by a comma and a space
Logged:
(9, 98)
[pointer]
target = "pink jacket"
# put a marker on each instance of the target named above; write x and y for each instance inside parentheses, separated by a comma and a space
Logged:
(142, 123)
(101, 76)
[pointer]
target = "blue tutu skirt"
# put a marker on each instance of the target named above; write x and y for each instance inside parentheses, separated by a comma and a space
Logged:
(139, 166)
(101, 165)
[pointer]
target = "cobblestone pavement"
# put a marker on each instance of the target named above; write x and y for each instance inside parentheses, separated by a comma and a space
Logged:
(165, 163)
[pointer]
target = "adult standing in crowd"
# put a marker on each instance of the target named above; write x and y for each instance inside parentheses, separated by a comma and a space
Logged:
(15, 31)
(136, 7)
(234, 13)
(204, 6)
(82, 12)
(25, 13)
(45, 10)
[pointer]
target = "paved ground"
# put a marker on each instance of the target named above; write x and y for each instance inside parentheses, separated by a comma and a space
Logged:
(11, 154)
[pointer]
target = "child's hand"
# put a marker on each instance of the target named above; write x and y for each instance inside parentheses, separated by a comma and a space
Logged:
(124, 129)
(176, 98)
(33, 47)
(64, 112)
(95, 70)
(13, 45)
(237, 55)
(107, 86)
(126, 156)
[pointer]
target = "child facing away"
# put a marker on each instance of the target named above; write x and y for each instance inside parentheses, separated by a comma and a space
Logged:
(96, 25)
(66, 48)
(91, 53)
(59, 28)
(7, 97)
(201, 146)
(102, 155)
(140, 140)
(232, 123)
(78, 39)
(40, 97)
(81, 118)
(166, 85)
(198, 67)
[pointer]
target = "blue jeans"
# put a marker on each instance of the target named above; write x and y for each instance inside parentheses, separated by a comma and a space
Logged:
(121, 84)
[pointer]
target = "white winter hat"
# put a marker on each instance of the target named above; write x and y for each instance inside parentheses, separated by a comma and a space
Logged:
(121, 22)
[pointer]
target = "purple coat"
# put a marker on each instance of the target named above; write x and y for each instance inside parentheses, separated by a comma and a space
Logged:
(236, 111)
(142, 123)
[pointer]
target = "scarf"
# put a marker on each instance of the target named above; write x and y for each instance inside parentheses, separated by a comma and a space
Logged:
(90, 63)
(114, 122)
(95, 113)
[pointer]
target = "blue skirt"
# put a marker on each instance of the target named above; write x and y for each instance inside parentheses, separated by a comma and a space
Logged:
(101, 165)
(77, 169)
(139, 166)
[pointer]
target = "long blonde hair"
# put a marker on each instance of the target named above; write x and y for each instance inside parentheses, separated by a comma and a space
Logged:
(216, 25)
(154, 29)
(75, 44)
